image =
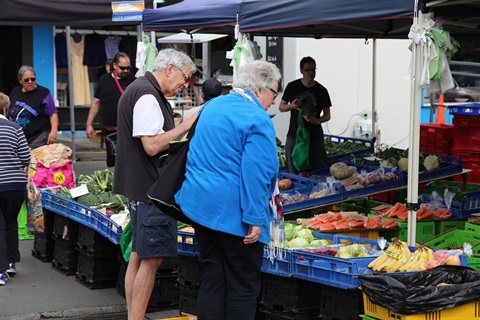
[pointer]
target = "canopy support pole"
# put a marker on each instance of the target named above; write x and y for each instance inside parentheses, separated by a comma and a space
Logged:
(70, 94)
(374, 91)
(414, 137)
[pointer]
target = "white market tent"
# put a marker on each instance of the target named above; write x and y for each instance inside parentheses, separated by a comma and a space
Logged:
(343, 19)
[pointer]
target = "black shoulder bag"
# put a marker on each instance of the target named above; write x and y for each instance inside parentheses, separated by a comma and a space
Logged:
(171, 174)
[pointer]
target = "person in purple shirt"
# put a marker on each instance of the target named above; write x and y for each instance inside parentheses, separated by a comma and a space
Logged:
(33, 108)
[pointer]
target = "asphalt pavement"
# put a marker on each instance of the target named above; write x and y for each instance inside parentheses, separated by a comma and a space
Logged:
(38, 291)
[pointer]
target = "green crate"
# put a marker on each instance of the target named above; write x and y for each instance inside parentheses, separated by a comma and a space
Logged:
(365, 317)
(361, 206)
(472, 227)
(474, 262)
(453, 239)
(445, 225)
(425, 230)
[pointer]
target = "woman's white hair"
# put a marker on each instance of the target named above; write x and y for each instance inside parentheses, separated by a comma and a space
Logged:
(257, 74)
(22, 70)
(172, 56)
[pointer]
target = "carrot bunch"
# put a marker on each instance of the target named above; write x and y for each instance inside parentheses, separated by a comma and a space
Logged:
(397, 211)
(333, 221)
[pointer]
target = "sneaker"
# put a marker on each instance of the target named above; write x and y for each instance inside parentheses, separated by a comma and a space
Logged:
(3, 278)
(12, 269)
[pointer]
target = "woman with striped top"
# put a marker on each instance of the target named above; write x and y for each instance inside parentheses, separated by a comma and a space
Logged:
(14, 158)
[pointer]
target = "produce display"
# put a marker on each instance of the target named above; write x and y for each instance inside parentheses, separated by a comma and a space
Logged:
(299, 236)
(426, 211)
(345, 147)
(344, 221)
(393, 258)
(100, 192)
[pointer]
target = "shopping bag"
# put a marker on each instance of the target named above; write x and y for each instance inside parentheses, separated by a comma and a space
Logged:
(35, 219)
(126, 241)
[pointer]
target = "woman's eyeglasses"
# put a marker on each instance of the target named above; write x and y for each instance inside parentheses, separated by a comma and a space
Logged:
(275, 93)
(124, 68)
(29, 79)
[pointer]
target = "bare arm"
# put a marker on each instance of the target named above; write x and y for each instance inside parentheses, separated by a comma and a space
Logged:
(92, 113)
(155, 144)
(284, 106)
(52, 136)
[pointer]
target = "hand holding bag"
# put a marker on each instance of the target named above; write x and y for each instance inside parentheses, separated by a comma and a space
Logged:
(171, 175)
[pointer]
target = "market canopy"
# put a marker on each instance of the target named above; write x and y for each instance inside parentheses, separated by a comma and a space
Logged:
(215, 15)
(63, 12)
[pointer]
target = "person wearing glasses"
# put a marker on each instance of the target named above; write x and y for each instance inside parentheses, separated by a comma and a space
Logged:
(33, 108)
(109, 88)
(145, 128)
(297, 95)
(232, 168)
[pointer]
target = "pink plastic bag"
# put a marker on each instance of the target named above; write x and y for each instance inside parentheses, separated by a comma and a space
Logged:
(40, 176)
(60, 174)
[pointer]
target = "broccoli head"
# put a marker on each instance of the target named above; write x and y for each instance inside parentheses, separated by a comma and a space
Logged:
(93, 187)
(104, 179)
(89, 199)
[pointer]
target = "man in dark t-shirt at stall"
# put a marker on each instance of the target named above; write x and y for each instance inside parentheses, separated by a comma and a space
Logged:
(295, 92)
(109, 88)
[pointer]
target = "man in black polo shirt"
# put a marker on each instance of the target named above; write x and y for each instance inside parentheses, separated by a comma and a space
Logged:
(107, 93)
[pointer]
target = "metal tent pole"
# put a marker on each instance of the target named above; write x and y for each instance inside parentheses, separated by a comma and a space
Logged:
(70, 94)
(414, 137)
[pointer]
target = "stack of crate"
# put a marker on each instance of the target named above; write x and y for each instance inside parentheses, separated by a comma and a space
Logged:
(98, 265)
(189, 283)
(436, 138)
(466, 140)
(43, 243)
(289, 298)
(65, 255)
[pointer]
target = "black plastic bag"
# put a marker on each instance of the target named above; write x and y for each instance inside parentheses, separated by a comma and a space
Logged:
(425, 291)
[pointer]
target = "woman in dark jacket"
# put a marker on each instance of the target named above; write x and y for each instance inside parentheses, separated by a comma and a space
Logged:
(14, 158)
(33, 108)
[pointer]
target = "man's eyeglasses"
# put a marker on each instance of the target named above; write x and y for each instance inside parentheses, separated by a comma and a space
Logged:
(185, 77)
(124, 68)
(275, 93)
(29, 79)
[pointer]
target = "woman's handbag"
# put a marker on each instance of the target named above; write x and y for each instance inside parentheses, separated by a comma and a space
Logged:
(171, 174)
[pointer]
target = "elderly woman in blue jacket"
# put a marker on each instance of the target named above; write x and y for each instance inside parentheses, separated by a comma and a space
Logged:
(232, 169)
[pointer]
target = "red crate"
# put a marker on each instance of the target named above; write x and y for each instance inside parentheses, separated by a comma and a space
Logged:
(466, 133)
(470, 161)
(436, 138)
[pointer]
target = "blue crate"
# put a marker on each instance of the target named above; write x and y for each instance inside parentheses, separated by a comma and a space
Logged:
(328, 270)
(369, 147)
(460, 210)
(187, 245)
(280, 265)
(466, 109)
(449, 165)
(298, 181)
(83, 214)
(67, 207)
(311, 203)
(106, 227)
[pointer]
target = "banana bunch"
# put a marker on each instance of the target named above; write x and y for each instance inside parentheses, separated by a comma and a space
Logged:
(393, 258)
(419, 260)
(282, 159)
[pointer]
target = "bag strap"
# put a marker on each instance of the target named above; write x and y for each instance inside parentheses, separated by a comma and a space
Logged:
(117, 82)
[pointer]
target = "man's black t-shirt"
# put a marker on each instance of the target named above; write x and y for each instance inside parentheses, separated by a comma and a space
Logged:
(292, 91)
(108, 93)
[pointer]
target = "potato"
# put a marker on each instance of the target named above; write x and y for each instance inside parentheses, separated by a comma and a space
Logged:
(341, 171)
(285, 184)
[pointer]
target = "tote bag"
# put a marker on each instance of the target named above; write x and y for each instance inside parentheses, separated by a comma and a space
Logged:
(171, 174)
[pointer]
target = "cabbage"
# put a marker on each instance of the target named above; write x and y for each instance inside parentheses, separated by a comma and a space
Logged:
(298, 243)
(305, 234)
(318, 243)
(289, 231)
